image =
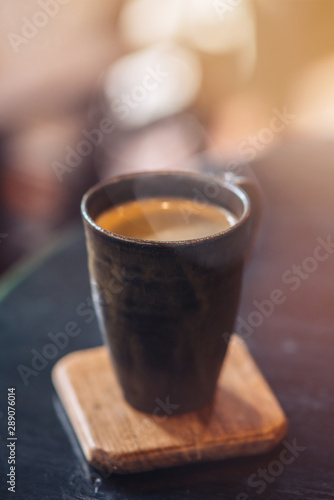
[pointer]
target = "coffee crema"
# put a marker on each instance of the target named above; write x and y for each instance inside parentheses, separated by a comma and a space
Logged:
(166, 219)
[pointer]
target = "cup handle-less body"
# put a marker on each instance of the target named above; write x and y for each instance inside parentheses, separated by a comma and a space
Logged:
(168, 321)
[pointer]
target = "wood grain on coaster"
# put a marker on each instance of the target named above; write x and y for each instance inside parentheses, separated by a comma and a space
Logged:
(245, 418)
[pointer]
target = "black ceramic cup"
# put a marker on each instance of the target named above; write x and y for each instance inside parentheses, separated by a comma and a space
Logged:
(164, 308)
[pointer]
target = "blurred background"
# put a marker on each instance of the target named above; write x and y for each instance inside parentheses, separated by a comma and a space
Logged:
(91, 89)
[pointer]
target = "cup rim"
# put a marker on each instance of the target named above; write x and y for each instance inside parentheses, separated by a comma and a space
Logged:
(238, 191)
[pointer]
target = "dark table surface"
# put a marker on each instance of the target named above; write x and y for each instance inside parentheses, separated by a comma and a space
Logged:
(294, 347)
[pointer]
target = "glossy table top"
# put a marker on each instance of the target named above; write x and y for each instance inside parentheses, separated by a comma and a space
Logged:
(292, 342)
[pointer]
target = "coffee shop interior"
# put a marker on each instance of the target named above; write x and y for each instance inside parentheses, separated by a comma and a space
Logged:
(175, 78)
(93, 89)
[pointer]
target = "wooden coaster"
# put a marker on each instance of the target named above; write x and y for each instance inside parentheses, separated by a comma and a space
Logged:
(244, 419)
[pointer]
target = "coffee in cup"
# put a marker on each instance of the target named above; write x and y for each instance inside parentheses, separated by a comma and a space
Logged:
(166, 219)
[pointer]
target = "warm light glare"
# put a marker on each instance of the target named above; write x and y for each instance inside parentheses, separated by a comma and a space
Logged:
(209, 25)
(152, 84)
(218, 26)
(144, 22)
